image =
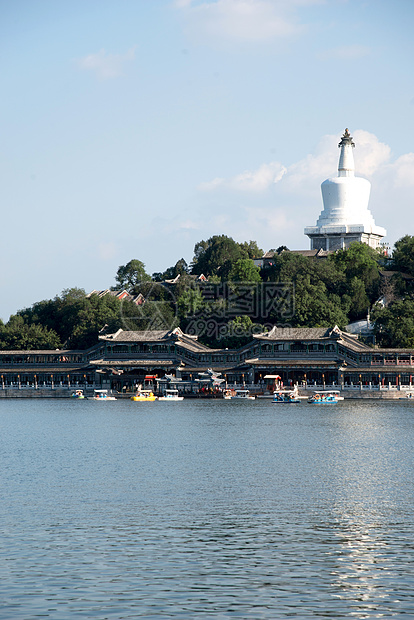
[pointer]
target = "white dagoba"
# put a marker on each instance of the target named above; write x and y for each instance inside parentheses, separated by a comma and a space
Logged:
(345, 217)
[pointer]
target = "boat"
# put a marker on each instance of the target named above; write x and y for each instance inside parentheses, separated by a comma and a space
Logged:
(102, 395)
(325, 397)
(243, 395)
(285, 396)
(78, 394)
(144, 396)
(171, 395)
(227, 394)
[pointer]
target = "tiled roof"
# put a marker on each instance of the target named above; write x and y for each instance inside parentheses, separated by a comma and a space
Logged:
(195, 346)
(310, 363)
(352, 342)
(56, 352)
(45, 369)
(311, 334)
(307, 253)
(116, 363)
(131, 336)
(148, 335)
(295, 333)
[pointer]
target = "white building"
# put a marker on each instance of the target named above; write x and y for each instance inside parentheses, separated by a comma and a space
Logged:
(345, 216)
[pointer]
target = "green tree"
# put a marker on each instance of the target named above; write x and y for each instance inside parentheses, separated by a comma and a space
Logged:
(216, 256)
(403, 255)
(362, 262)
(239, 332)
(251, 249)
(244, 270)
(131, 275)
(360, 303)
(314, 307)
(394, 325)
(180, 268)
(17, 335)
(190, 303)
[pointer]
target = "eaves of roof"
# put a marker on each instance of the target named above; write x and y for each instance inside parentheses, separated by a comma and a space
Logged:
(129, 363)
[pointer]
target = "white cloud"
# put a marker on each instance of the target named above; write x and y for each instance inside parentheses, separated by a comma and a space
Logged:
(274, 203)
(370, 155)
(107, 66)
(251, 181)
(243, 20)
(403, 171)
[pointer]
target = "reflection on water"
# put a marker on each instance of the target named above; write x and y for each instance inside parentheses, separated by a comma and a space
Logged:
(206, 510)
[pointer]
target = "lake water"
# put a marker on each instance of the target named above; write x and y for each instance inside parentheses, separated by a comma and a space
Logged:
(206, 509)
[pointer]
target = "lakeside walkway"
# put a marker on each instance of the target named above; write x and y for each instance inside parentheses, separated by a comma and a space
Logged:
(349, 392)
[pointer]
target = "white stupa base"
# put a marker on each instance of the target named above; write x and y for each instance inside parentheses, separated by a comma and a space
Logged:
(341, 239)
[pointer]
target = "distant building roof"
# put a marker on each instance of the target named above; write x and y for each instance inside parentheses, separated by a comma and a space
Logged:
(307, 253)
(311, 334)
(120, 294)
(186, 341)
(195, 277)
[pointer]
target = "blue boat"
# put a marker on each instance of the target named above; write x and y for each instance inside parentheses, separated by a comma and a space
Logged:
(325, 397)
(285, 396)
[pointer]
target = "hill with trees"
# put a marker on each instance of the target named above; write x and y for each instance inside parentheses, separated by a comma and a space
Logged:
(224, 297)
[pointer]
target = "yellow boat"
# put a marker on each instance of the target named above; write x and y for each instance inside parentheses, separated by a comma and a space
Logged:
(144, 396)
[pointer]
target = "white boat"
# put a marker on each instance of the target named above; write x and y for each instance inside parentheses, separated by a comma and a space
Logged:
(171, 395)
(102, 395)
(285, 396)
(243, 395)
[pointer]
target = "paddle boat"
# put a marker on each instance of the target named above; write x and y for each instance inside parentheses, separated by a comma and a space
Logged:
(78, 394)
(325, 397)
(144, 396)
(171, 395)
(102, 395)
(285, 396)
(243, 395)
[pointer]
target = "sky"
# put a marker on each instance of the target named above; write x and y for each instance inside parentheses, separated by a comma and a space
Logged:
(136, 128)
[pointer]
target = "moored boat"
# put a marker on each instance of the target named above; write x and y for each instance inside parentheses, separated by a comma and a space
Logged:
(171, 395)
(285, 396)
(144, 396)
(78, 394)
(325, 397)
(242, 394)
(102, 395)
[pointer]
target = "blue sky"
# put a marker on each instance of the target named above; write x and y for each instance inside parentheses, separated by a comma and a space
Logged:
(136, 128)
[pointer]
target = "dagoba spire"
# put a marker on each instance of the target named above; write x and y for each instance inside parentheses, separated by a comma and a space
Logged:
(345, 217)
(346, 166)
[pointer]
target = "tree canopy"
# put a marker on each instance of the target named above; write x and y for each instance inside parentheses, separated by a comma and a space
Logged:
(132, 274)
(403, 255)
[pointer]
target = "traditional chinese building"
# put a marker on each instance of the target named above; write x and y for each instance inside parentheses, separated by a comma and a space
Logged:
(125, 359)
